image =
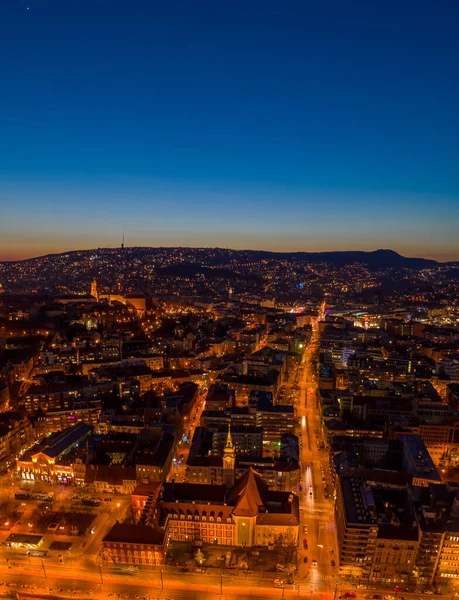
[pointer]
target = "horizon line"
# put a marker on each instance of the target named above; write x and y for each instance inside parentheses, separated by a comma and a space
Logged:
(227, 248)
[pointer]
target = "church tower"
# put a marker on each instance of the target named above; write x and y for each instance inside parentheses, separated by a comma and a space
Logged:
(229, 461)
(94, 291)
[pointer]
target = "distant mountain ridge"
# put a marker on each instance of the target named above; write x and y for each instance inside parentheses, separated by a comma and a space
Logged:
(374, 260)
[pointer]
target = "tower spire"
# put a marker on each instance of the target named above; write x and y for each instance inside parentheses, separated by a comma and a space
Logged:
(229, 446)
(229, 460)
(94, 291)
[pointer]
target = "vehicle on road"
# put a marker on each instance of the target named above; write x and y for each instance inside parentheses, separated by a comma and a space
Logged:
(22, 496)
(39, 553)
(284, 583)
(44, 497)
(332, 563)
(305, 529)
(350, 595)
(314, 562)
(126, 570)
(91, 502)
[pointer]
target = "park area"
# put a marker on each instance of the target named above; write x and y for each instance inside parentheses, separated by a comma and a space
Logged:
(230, 558)
(44, 518)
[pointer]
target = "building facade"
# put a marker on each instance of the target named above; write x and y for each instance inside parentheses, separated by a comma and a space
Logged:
(247, 514)
(133, 545)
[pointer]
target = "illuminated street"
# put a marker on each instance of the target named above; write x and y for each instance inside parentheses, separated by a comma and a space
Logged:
(316, 510)
(191, 421)
(63, 582)
(68, 583)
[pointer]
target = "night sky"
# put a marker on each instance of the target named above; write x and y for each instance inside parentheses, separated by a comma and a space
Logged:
(290, 125)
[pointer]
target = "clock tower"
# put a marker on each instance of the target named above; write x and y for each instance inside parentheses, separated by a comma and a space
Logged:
(229, 460)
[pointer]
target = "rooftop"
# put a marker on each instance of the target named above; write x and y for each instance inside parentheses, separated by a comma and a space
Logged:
(135, 534)
(192, 492)
(54, 446)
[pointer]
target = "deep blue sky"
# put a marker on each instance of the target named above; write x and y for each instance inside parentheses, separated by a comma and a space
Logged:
(279, 125)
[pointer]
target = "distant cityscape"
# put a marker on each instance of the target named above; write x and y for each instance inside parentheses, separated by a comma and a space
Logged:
(179, 417)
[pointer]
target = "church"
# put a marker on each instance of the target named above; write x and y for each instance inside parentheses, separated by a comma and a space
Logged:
(238, 513)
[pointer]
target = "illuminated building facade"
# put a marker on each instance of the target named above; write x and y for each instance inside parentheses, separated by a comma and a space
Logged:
(46, 461)
(248, 514)
(133, 545)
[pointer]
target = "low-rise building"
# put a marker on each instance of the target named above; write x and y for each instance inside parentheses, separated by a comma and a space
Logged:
(378, 532)
(357, 528)
(154, 457)
(45, 461)
(220, 397)
(16, 434)
(278, 474)
(134, 545)
(145, 502)
(244, 385)
(417, 461)
(111, 478)
(395, 552)
(247, 441)
(58, 419)
(4, 396)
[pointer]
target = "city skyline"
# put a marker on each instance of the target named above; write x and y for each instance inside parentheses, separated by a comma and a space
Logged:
(287, 127)
(279, 252)
(229, 299)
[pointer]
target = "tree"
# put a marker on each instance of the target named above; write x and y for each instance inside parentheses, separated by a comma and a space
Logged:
(286, 546)
(199, 557)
